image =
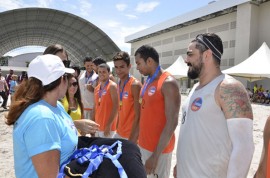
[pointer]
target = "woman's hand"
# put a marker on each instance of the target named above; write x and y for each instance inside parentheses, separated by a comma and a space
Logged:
(86, 126)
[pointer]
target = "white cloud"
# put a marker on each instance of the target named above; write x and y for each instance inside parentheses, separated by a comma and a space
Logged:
(44, 3)
(121, 7)
(113, 24)
(118, 35)
(130, 16)
(10, 4)
(146, 6)
(85, 7)
(117, 31)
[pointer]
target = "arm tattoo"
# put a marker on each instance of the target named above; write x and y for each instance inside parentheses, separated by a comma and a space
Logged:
(235, 102)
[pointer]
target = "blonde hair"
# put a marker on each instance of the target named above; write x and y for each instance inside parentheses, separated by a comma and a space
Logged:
(14, 77)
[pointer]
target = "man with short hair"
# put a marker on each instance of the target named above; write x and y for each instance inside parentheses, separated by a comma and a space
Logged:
(129, 92)
(88, 82)
(3, 90)
(215, 138)
(96, 62)
(160, 103)
(106, 103)
(8, 78)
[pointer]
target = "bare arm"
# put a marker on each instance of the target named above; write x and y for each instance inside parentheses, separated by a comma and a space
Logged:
(114, 96)
(135, 89)
(47, 164)
(90, 87)
(233, 99)
(170, 91)
(237, 109)
(94, 112)
(6, 85)
(86, 126)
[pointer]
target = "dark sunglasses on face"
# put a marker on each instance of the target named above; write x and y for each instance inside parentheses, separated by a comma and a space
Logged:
(74, 84)
(66, 63)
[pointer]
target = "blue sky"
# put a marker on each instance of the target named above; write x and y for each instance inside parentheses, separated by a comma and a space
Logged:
(117, 18)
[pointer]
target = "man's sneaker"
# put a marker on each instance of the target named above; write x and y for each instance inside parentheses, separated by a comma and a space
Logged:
(4, 107)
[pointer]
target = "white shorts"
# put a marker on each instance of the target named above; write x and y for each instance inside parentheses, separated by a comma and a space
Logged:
(101, 134)
(87, 114)
(118, 136)
(164, 164)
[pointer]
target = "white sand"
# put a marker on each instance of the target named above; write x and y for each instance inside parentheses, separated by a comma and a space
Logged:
(260, 112)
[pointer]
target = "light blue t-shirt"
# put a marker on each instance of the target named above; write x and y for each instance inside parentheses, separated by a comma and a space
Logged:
(41, 128)
(12, 84)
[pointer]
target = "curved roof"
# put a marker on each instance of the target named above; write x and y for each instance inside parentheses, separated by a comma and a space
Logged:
(44, 27)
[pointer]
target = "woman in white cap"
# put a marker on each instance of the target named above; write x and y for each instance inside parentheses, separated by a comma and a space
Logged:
(44, 135)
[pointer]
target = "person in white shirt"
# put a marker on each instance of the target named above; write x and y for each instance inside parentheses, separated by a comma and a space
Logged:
(216, 137)
(3, 91)
(88, 82)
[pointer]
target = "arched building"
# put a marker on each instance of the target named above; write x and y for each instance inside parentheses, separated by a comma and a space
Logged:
(242, 25)
(44, 27)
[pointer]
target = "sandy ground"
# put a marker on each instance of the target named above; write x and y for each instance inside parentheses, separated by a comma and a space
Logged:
(260, 112)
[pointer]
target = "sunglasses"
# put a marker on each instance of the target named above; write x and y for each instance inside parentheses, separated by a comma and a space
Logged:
(74, 84)
(66, 63)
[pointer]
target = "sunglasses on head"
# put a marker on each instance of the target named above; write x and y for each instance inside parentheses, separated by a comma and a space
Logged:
(74, 84)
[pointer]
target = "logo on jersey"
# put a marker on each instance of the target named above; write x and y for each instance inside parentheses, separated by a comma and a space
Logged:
(72, 126)
(196, 104)
(104, 92)
(125, 94)
(151, 90)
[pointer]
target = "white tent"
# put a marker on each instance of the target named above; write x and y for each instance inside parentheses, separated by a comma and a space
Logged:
(256, 67)
(178, 69)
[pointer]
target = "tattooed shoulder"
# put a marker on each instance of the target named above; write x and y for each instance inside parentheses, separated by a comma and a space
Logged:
(234, 99)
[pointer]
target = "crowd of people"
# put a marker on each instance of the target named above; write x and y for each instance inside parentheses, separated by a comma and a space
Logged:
(259, 94)
(59, 110)
(8, 85)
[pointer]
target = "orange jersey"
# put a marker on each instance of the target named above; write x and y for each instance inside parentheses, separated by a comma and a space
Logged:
(126, 110)
(103, 107)
(152, 118)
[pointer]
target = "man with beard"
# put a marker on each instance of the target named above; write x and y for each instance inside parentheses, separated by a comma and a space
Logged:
(215, 139)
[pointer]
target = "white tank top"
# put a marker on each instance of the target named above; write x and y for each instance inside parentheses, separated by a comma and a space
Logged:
(204, 145)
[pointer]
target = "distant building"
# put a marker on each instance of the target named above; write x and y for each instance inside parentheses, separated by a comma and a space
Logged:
(22, 60)
(242, 25)
(18, 63)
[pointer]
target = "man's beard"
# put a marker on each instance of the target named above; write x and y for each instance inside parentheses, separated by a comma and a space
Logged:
(194, 71)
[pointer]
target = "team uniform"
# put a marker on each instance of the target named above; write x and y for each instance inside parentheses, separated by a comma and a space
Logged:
(204, 146)
(152, 122)
(56, 131)
(103, 109)
(126, 111)
(87, 96)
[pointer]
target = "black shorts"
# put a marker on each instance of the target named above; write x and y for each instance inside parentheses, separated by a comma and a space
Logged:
(130, 160)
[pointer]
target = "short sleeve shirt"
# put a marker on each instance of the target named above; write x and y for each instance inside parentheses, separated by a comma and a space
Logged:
(41, 128)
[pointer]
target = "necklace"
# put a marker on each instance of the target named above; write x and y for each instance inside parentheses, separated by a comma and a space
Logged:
(72, 104)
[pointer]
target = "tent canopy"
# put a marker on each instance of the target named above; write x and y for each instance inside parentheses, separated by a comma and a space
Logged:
(256, 67)
(178, 69)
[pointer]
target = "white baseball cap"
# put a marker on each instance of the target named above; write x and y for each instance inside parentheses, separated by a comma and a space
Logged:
(47, 68)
